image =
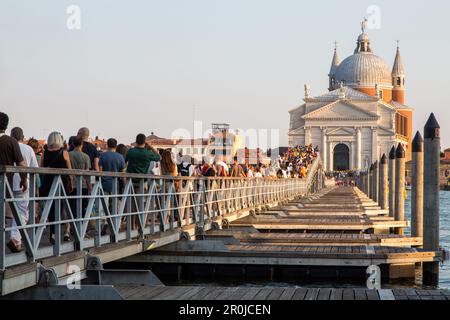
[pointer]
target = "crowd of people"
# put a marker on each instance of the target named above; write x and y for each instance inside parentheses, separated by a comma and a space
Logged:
(296, 161)
(78, 153)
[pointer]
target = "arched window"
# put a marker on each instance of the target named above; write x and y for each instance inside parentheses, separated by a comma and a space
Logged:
(399, 81)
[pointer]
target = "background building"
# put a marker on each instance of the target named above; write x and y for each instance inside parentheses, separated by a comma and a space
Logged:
(224, 143)
(196, 148)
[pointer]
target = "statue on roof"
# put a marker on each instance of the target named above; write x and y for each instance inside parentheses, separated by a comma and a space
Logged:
(307, 90)
(364, 25)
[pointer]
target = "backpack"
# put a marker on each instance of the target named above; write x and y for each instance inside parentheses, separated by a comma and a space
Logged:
(184, 171)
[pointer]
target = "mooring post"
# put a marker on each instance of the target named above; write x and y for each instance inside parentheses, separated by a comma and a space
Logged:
(383, 193)
(432, 150)
(376, 181)
(392, 182)
(371, 182)
(363, 182)
(368, 183)
(417, 187)
(399, 186)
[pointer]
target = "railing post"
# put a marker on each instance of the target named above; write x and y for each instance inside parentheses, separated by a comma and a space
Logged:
(203, 201)
(32, 209)
(2, 220)
(392, 182)
(78, 214)
(57, 204)
(383, 193)
(399, 186)
(114, 210)
(129, 198)
(432, 147)
(417, 187)
(98, 219)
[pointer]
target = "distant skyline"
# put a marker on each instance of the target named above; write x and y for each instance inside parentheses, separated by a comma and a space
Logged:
(153, 66)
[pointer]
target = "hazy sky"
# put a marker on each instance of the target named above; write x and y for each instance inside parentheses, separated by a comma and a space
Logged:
(142, 66)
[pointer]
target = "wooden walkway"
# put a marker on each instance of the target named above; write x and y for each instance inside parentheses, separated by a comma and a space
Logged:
(135, 292)
(290, 255)
(281, 238)
(316, 238)
(338, 209)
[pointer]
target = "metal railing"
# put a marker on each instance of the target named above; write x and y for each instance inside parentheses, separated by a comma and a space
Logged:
(138, 206)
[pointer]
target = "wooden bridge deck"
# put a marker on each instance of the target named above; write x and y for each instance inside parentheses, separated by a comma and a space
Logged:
(304, 239)
(275, 293)
(336, 239)
(300, 255)
(339, 209)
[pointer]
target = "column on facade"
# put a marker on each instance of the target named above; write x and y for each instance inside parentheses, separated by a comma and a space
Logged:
(358, 149)
(330, 155)
(374, 144)
(352, 155)
(307, 135)
(324, 148)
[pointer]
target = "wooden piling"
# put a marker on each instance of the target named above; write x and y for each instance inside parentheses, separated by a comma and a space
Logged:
(432, 147)
(400, 157)
(364, 181)
(392, 182)
(367, 182)
(376, 181)
(383, 191)
(417, 187)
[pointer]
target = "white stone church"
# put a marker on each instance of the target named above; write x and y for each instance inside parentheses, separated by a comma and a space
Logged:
(361, 117)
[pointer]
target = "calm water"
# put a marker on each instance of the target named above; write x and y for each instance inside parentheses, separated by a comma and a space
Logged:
(444, 271)
(445, 233)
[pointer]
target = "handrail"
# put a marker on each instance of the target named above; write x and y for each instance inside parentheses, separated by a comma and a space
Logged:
(145, 205)
(313, 172)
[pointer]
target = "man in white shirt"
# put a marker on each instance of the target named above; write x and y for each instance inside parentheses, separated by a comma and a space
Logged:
(22, 205)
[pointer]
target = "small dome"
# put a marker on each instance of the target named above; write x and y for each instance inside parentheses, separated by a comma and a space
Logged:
(364, 37)
(363, 69)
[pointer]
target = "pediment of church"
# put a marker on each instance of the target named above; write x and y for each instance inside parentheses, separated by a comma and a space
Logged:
(341, 110)
(341, 132)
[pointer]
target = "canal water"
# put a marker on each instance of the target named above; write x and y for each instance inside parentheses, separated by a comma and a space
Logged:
(444, 281)
(444, 271)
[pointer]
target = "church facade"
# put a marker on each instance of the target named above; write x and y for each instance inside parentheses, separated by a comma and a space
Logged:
(361, 116)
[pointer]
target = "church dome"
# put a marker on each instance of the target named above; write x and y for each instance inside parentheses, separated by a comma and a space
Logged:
(363, 69)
